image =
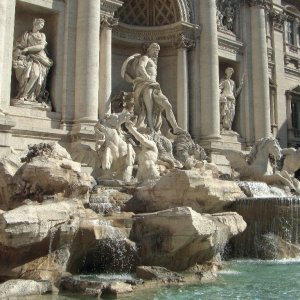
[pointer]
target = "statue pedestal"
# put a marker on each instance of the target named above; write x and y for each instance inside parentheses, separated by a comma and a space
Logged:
(229, 140)
(30, 104)
(6, 125)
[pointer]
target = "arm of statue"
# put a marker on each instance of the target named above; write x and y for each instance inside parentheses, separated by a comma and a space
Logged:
(141, 68)
(36, 48)
(146, 143)
(221, 85)
(239, 89)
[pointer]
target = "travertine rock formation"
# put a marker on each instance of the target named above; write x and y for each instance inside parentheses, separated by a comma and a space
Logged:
(46, 170)
(22, 288)
(196, 188)
(179, 238)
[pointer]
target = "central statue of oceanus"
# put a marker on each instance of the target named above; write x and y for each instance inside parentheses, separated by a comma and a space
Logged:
(141, 71)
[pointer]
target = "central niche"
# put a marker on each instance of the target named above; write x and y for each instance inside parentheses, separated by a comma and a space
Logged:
(149, 12)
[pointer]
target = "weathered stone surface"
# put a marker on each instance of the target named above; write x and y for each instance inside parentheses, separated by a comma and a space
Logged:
(29, 224)
(35, 240)
(234, 222)
(200, 191)
(47, 170)
(22, 288)
(78, 285)
(158, 273)
(179, 238)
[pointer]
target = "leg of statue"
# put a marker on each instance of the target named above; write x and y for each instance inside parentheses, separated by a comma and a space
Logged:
(34, 75)
(232, 113)
(147, 97)
(163, 101)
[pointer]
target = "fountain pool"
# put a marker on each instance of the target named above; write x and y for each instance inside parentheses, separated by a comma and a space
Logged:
(240, 279)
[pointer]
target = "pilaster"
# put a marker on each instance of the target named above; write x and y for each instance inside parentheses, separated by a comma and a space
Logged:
(7, 17)
(260, 77)
(209, 72)
(87, 61)
(277, 20)
(182, 45)
(107, 22)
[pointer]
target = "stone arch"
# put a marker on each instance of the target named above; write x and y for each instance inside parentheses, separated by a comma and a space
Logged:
(153, 12)
(292, 9)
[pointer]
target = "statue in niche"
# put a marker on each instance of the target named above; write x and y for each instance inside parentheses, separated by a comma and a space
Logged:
(147, 155)
(150, 102)
(228, 95)
(226, 14)
(115, 152)
(31, 65)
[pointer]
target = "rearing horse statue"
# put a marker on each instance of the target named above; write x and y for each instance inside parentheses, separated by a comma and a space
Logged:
(260, 164)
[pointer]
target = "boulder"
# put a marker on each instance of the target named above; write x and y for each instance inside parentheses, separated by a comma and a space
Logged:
(30, 224)
(45, 170)
(200, 191)
(116, 289)
(158, 273)
(178, 238)
(22, 288)
(35, 240)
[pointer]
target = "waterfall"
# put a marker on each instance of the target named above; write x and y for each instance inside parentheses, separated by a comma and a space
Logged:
(272, 228)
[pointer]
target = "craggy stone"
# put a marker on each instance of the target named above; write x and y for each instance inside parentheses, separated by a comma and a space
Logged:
(195, 188)
(179, 238)
(157, 273)
(23, 288)
(116, 288)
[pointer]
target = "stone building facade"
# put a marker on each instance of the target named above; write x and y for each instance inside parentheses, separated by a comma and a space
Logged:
(88, 41)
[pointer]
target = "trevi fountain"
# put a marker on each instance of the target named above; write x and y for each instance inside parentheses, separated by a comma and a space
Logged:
(144, 151)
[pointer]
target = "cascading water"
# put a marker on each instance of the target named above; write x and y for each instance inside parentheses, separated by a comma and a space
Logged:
(272, 228)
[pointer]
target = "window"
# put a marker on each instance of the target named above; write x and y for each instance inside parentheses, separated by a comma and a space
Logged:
(295, 113)
(290, 32)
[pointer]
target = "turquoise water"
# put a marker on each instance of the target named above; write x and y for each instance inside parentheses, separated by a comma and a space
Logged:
(244, 279)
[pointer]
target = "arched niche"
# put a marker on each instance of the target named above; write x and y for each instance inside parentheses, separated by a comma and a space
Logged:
(142, 22)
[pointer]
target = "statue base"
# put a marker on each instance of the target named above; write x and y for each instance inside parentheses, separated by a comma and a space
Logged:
(230, 140)
(31, 104)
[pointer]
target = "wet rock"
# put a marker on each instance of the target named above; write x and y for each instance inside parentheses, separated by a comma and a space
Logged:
(158, 273)
(22, 288)
(179, 238)
(271, 246)
(78, 285)
(35, 240)
(116, 289)
(106, 201)
(199, 190)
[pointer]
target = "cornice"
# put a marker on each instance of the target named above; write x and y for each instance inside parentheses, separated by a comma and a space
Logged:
(267, 4)
(110, 6)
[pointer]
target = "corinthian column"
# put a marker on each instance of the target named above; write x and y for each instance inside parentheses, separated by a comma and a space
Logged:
(209, 71)
(105, 64)
(182, 44)
(87, 61)
(260, 77)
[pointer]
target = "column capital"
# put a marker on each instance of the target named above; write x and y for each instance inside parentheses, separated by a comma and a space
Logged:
(278, 18)
(267, 4)
(108, 21)
(181, 41)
